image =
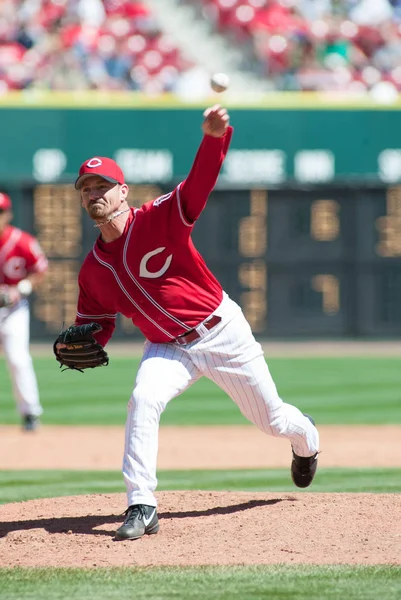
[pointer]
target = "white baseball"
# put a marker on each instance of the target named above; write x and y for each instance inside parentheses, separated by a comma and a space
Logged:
(219, 82)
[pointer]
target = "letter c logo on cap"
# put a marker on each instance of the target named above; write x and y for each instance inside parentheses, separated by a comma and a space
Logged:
(94, 162)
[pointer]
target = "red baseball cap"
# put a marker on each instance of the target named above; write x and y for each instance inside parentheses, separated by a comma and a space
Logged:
(102, 166)
(5, 202)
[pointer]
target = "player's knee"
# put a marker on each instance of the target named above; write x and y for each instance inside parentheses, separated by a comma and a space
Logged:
(148, 399)
(278, 425)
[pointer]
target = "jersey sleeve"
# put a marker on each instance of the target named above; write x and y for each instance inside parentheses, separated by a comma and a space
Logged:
(36, 261)
(90, 309)
(202, 178)
(175, 213)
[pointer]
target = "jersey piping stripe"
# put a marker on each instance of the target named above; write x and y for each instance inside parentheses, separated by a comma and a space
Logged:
(161, 199)
(119, 282)
(105, 316)
(142, 289)
(183, 219)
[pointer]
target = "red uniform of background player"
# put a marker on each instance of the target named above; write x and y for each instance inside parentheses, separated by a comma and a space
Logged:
(22, 267)
(145, 266)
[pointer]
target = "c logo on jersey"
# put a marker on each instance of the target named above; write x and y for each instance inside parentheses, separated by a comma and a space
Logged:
(94, 162)
(143, 270)
(14, 268)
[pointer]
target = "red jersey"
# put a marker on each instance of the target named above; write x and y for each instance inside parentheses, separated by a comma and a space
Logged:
(20, 255)
(153, 273)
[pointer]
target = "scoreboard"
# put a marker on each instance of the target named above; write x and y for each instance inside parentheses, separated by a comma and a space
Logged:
(301, 261)
(309, 262)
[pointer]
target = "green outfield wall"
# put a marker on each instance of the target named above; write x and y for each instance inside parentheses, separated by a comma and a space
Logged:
(303, 229)
(277, 139)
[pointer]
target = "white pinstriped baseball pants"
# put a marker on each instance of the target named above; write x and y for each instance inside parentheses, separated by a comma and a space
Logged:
(230, 356)
(14, 337)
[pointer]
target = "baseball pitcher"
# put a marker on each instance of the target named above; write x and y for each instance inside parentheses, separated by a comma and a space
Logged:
(145, 266)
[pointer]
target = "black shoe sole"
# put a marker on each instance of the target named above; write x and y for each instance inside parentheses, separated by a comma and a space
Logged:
(304, 480)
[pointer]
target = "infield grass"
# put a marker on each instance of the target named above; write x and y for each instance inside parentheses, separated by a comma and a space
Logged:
(278, 582)
(16, 486)
(334, 390)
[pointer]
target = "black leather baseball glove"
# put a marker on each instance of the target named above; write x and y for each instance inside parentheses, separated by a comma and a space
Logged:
(81, 350)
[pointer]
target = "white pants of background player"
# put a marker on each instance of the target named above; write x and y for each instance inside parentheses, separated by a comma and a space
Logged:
(230, 356)
(14, 337)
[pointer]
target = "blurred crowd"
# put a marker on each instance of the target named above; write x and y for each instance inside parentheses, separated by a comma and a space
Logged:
(352, 45)
(85, 44)
(342, 45)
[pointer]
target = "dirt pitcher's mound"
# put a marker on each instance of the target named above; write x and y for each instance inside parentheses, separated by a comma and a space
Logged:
(205, 528)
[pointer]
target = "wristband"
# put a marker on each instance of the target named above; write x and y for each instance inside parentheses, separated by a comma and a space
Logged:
(24, 287)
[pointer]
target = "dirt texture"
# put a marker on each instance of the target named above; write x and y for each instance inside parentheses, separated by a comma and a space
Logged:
(207, 528)
(217, 447)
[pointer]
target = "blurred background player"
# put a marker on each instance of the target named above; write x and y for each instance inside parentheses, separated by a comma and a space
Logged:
(22, 267)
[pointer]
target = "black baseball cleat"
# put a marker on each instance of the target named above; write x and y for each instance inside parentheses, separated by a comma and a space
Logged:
(30, 423)
(303, 468)
(140, 519)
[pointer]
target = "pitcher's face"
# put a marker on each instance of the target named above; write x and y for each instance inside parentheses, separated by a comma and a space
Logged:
(101, 198)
